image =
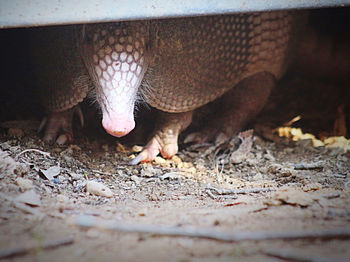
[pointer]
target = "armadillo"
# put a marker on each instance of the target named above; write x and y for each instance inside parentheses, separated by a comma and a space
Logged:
(176, 66)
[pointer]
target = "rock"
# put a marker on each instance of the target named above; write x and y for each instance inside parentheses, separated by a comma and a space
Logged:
(76, 176)
(137, 148)
(98, 189)
(280, 170)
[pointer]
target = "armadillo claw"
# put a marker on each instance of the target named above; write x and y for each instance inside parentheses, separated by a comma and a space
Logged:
(164, 140)
(59, 127)
(221, 138)
(153, 148)
(66, 138)
(149, 153)
(140, 158)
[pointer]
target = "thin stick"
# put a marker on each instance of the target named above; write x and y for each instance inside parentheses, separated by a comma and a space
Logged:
(89, 222)
(223, 193)
(33, 150)
(22, 250)
(208, 191)
(295, 255)
(308, 166)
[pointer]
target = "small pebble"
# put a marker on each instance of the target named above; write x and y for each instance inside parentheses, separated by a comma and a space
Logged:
(137, 148)
(192, 170)
(177, 160)
(120, 148)
(148, 170)
(76, 176)
(188, 165)
(159, 160)
(105, 147)
(24, 184)
(136, 179)
(62, 199)
(98, 189)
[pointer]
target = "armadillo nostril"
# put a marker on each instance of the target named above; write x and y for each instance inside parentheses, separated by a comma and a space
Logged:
(119, 133)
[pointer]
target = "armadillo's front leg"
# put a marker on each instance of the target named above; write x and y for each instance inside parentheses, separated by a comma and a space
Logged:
(58, 126)
(164, 139)
(240, 105)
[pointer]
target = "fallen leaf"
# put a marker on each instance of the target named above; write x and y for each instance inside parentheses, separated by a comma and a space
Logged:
(245, 147)
(51, 173)
(294, 197)
(338, 141)
(30, 198)
(297, 134)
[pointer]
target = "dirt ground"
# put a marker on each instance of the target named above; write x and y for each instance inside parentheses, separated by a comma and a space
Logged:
(285, 200)
(309, 195)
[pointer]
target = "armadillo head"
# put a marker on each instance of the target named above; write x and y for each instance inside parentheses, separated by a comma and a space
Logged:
(116, 57)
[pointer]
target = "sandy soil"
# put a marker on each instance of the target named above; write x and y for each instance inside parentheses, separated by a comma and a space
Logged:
(309, 194)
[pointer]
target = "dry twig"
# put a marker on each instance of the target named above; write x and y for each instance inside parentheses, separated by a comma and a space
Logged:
(29, 247)
(89, 222)
(295, 255)
(232, 193)
(308, 166)
(33, 150)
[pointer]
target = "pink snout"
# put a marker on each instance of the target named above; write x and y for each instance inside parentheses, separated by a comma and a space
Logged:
(118, 127)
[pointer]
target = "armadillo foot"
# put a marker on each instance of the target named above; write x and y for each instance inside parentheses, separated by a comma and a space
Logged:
(238, 107)
(164, 140)
(59, 126)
